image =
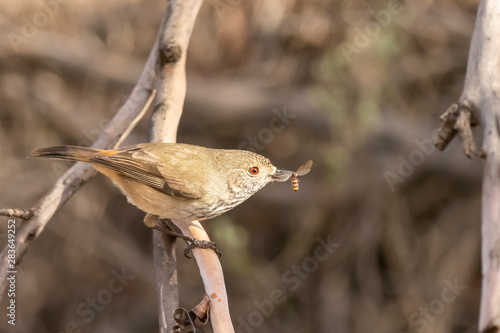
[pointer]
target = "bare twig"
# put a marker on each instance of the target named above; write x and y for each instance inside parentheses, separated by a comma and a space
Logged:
(134, 122)
(447, 131)
(24, 214)
(195, 319)
(459, 118)
(463, 127)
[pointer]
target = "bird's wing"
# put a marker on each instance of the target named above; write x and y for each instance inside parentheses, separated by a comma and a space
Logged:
(148, 169)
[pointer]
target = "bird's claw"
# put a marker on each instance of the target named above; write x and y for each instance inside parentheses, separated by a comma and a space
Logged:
(202, 244)
(192, 242)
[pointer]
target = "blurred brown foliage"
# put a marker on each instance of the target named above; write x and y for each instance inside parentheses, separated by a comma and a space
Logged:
(357, 114)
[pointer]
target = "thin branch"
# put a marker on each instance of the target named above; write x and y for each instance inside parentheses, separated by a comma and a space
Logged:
(463, 127)
(447, 131)
(459, 118)
(134, 122)
(79, 173)
(24, 214)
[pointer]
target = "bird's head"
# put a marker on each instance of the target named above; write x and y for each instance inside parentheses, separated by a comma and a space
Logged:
(250, 172)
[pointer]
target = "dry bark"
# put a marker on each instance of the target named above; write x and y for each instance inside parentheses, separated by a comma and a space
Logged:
(479, 104)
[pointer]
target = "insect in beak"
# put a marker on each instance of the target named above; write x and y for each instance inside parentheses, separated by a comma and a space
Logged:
(303, 170)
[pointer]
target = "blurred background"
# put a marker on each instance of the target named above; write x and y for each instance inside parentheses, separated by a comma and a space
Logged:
(384, 233)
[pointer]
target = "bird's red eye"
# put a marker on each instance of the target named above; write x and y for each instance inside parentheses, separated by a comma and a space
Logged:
(254, 170)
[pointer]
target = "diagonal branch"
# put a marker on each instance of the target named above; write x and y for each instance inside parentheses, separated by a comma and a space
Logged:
(80, 173)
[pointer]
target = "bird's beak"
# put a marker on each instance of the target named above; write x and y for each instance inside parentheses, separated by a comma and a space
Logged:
(281, 175)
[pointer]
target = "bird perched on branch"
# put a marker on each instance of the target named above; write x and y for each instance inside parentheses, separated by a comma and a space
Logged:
(177, 181)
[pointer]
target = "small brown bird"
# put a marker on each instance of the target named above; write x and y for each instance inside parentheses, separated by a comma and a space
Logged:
(178, 181)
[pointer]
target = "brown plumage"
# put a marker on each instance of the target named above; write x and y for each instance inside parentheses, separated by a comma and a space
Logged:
(178, 181)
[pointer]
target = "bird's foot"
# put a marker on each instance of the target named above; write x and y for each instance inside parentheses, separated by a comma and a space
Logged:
(202, 244)
(192, 242)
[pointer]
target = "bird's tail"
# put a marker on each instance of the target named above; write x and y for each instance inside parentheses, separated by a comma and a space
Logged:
(71, 153)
